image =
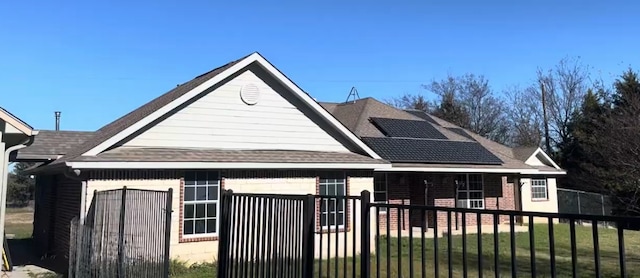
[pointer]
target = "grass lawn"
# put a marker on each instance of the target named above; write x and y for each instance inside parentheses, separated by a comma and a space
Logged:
(19, 222)
(399, 259)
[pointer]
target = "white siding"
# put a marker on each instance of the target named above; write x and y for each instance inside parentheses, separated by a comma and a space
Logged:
(549, 205)
(222, 120)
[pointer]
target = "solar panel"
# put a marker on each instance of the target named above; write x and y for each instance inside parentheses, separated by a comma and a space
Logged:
(431, 151)
(461, 132)
(423, 115)
(408, 128)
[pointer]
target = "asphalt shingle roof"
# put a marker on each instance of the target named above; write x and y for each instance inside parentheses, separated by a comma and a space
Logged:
(50, 144)
(216, 155)
(358, 113)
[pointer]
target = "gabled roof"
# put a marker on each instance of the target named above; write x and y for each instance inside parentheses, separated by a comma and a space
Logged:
(51, 144)
(117, 126)
(115, 132)
(480, 151)
(523, 153)
(16, 122)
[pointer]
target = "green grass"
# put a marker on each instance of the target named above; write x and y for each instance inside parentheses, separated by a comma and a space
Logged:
(400, 263)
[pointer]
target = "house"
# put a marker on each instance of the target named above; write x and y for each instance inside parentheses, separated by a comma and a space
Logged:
(243, 126)
(437, 163)
(15, 134)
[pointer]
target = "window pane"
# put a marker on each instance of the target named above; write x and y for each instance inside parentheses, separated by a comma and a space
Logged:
(213, 193)
(201, 178)
(188, 227)
(332, 219)
(340, 218)
(201, 193)
(341, 205)
(200, 227)
(340, 189)
(200, 211)
(323, 205)
(462, 195)
(188, 211)
(332, 189)
(189, 178)
(211, 210)
(332, 204)
(323, 219)
(189, 193)
(211, 226)
(323, 188)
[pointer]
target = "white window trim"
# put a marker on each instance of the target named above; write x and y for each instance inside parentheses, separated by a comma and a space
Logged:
(546, 189)
(344, 208)
(469, 191)
(386, 193)
(217, 202)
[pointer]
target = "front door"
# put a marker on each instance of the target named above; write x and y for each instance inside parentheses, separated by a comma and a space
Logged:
(417, 189)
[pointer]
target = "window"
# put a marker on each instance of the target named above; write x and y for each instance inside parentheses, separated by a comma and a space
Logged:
(332, 210)
(470, 191)
(200, 210)
(380, 189)
(539, 189)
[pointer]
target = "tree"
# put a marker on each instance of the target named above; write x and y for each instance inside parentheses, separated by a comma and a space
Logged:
(613, 148)
(561, 91)
(486, 112)
(525, 117)
(410, 101)
(21, 186)
(451, 110)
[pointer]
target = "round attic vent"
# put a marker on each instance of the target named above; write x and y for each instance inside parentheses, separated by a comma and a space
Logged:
(250, 94)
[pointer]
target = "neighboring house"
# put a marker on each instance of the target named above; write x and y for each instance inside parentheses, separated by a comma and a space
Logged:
(15, 134)
(438, 163)
(243, 126)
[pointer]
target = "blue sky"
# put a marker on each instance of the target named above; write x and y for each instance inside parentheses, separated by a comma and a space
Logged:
(97, 60)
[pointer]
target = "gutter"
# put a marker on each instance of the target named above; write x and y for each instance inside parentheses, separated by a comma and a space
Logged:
(4, 182)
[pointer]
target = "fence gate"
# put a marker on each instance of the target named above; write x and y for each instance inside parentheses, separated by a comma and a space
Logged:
(126, 233)
(263, 235)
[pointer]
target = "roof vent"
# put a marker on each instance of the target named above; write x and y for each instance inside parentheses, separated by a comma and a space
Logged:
(250, 94)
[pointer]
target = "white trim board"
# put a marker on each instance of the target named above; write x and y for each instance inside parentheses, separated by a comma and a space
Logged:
(220, 165)
(546, 157)
(257, 58)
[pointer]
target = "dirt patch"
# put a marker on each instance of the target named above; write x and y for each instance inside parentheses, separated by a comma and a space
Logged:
(19, 217)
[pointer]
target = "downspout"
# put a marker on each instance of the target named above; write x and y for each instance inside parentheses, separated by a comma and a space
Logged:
(4, 182)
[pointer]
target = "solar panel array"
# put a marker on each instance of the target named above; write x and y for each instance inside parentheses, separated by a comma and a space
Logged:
(422, 115)
(461, 132)
(408, 128)
(431, 151)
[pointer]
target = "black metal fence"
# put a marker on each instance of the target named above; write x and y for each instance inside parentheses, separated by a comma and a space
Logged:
(126, 233)
(295, 236)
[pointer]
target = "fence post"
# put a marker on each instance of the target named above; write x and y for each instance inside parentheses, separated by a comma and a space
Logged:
(365, 235)
(121, 233)
(223, 249)
(308, 235)
(167, 232)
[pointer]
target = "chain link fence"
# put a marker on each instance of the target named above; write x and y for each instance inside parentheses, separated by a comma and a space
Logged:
(583, 202)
